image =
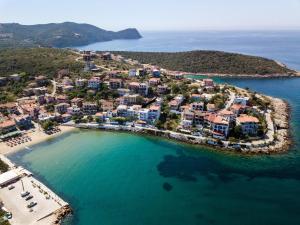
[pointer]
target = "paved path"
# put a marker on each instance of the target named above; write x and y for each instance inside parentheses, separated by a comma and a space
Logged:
(54, 88)
(230, 101)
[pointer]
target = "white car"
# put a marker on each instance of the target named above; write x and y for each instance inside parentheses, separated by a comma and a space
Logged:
(24, 194)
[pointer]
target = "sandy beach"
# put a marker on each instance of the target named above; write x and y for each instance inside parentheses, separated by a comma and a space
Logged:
(37, 137)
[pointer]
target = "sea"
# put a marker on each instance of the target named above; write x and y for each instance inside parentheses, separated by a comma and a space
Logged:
(120, 178)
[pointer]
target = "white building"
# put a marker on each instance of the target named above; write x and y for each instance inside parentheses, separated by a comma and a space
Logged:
(241, 100)
(123, 91)
(94, 83)
(154, 112)
(122, 110)
(249, 124)
(143, 114)
(143, 89)
(74, 110)
(80, 82)
(132, 73)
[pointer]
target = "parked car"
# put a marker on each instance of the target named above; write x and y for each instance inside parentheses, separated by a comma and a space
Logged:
(24, 194)
(8, 215)
(31, 204)
(11, 187)
(28, 197)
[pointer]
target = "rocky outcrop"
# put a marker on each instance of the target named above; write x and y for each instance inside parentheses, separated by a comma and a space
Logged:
(62, 213)
(282, 137)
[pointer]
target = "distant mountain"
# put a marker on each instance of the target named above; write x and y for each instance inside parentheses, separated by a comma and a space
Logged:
(58, 35)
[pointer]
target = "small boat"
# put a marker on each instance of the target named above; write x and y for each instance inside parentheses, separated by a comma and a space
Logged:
(26, 147)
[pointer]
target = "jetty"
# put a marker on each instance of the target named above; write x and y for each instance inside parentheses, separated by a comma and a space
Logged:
(49, 208)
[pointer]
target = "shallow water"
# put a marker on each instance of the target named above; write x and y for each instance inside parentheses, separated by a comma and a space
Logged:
(118, 178)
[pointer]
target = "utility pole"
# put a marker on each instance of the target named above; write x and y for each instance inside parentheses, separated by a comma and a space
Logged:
(22, 185)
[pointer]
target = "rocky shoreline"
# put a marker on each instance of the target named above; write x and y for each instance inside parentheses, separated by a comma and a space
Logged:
(62, 213)
(281, 118)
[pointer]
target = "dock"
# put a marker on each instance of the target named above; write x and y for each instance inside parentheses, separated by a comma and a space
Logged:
(49, 205)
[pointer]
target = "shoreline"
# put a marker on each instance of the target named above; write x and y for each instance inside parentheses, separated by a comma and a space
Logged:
(37, 137)
(281, 143)
(270, 145)
(241, 76)
(52, 209)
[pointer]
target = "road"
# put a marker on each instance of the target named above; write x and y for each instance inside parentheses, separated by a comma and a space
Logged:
(54, 88)
(230, 101)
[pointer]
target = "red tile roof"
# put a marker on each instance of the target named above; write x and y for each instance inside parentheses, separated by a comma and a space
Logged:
(247, 119)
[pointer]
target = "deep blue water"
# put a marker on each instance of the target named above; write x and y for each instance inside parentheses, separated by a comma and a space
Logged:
(117, 178)
(279, 45)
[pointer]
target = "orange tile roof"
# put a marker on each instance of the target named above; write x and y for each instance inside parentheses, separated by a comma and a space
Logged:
(225, 112)
(237, 106)
(247, 119)
(154, 107)
(7, 123)
(213, 118)
(8, 105)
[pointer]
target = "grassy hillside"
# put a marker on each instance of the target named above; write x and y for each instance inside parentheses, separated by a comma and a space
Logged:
(209, 62)
(35, 61)
(31, 62)
(58, 34)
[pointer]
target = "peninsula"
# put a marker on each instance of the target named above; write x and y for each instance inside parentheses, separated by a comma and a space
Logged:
(43, 88)
(213, 63)
(46, 92)
(58, 35)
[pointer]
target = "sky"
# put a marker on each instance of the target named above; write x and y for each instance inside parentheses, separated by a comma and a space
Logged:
(158, 15)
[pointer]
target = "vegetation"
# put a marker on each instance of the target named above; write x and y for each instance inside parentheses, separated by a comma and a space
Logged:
(30, 63)
(3, 221)
(37, 61)
(210, 62)
(48, 125)
(263, 104)
(3, 166)
(219, 100)
(58, 35)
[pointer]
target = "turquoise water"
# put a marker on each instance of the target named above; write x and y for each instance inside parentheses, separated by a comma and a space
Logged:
(118, 178)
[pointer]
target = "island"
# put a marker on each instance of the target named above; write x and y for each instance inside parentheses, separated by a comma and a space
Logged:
(59, 35)
(45, 92)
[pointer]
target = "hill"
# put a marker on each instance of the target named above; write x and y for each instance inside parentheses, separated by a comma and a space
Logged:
(58, 35)
(31, 62)
(36, 61)
(212, 62)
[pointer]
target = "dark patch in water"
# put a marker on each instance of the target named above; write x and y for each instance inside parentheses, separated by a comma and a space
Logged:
(188, 168)
(168, 187)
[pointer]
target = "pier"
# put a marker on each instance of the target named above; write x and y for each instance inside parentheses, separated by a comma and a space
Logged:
(49, 206)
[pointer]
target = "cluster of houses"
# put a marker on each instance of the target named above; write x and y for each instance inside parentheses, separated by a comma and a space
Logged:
(12, 121)
(218, 122)
(133, 100)
(138, 97)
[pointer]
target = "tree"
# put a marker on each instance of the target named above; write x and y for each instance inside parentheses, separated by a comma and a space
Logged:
(47, 125)
(237, 132)
(90, 119)
(120, 120)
